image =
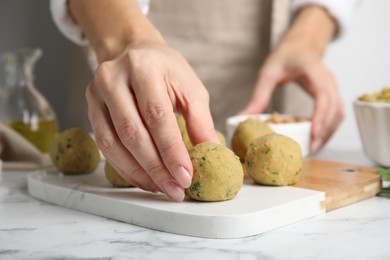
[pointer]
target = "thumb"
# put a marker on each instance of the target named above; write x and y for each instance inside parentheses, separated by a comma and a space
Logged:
(199, 123)
(200, 128)
(261, 95)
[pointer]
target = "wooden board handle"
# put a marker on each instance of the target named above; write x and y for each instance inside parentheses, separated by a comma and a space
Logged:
(343, 183)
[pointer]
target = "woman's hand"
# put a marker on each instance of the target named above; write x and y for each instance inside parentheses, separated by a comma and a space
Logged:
(132, 100)
(299, 58)
(137, 88)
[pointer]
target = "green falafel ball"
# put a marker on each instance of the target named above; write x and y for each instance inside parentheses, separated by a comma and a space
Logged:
(218, 174)
(114, 178)
(246, 132)
(274, 159)
(74, 152)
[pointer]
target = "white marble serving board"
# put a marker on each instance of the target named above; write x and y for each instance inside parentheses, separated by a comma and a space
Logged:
(256, 209)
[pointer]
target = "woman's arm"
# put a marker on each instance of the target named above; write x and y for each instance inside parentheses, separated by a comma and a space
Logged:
(110, 26)
(341, 11)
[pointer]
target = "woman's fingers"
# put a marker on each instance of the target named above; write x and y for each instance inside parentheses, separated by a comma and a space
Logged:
(156, 99)
(315, 78)
(328, 109)
(132, 131)
(196, 112)
(112, 148)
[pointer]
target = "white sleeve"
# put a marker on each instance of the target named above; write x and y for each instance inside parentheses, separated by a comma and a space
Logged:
(341, 10)
(67, 26)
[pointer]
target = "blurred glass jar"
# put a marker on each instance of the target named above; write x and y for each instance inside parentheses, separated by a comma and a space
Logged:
(22, 107)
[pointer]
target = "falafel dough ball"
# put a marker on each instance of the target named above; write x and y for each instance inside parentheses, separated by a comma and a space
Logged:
(274, 159)
(218, 173)
(183, 131)
(114, 178)
(74, 152)
(181, 123)
(246, 132)
(186, 140)
(221, 137)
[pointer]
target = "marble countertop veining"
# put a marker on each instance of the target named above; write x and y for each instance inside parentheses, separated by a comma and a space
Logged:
(31, 229)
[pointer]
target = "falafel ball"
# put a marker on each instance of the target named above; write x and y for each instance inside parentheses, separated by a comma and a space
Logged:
(114, 178)
(274, 159)
(246, 132)
(181, 123)
(218, 173)
(74, 152)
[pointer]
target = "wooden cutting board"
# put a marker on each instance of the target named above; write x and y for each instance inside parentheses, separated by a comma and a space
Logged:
(342, 183)
(256, 209)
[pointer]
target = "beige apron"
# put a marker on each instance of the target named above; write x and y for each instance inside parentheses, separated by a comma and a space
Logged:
(225, 42)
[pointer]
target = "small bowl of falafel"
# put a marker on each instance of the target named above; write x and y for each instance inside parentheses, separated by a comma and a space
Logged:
(372, 113)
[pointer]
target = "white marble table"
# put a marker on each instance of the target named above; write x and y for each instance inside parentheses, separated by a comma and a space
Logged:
(31, 229)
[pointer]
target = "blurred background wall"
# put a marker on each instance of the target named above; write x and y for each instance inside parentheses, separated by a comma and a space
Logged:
(360, 61)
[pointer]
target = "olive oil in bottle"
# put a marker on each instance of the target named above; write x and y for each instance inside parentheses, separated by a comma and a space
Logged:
(40, 134)
(22, 107)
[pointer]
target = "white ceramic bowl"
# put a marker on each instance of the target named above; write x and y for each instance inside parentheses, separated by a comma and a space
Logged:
(299, 131)
(373, 120)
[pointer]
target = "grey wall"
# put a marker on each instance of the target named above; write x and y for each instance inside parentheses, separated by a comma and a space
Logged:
(27, 23)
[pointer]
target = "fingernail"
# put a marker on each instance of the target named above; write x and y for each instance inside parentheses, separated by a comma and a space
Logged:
(182, 176)
(316, 145)
(174, 191)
